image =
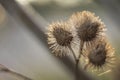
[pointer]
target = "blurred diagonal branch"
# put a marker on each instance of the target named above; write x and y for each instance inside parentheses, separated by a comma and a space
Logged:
(21, 13)
(12, 73)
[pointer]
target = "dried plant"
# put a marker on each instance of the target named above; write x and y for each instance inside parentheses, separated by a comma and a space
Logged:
(90, 32)
(12, 73)
(88, 26)
(60, 38)
(101, 55)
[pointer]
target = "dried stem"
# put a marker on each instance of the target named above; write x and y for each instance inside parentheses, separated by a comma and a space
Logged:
(77, 60)
(76, 63)
(18, 75)
(8, 71)
(76, 69)
(81, 47)
(72, 52)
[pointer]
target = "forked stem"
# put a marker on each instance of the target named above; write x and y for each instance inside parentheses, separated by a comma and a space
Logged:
(73, 53)
(78, 59)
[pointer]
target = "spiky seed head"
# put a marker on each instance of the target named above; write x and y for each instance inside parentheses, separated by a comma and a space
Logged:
(100, 55)
(88, 26)
(59, 37)
(62, 36)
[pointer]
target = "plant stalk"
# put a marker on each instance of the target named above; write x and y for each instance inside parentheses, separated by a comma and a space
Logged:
(72, 52)
(77, 60)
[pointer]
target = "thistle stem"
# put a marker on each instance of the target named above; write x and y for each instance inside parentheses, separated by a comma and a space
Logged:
(81, 48)
(76, 69)
(72, 52)
(78, 59)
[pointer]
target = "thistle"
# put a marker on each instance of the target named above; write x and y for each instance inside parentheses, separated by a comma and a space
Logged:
(89, 30)
(60, 38)
(88, 26)
(100, 55)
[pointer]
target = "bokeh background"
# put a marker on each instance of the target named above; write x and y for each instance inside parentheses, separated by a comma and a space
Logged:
(23, 47)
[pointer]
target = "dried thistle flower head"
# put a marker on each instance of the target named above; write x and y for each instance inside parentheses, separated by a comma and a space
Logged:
(59, 38)
(100, 55)
(88, 26)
